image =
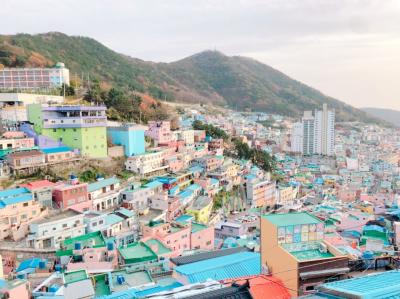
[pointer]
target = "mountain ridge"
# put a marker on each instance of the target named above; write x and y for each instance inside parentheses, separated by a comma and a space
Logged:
(209, 76)
(389, 115)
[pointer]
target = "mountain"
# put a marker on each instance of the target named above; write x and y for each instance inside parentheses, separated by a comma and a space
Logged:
(388, 115)
(208, 77)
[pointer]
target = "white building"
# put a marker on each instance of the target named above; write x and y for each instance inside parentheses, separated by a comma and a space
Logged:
(34, 78)
(104, 193)
(318, 133)
(50, 231)
(296, 139)
(147, 164)
(308, 133)
(324, 131)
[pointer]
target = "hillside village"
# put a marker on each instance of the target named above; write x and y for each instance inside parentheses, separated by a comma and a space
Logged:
(206, 202)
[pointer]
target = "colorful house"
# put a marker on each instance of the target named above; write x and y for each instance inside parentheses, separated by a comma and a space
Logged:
(295, 241)
(131, 137)
(17, 210)
(72, 195)
(201, 209)
(80, 127)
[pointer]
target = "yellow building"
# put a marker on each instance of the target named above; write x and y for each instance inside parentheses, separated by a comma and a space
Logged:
(201, 209)
(293, 249)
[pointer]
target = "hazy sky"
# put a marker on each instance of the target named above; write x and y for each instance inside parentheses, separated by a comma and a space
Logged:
(348, 49)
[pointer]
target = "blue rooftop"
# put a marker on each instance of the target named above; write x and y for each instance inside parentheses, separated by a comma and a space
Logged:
(184, 218)
(153, 184)
(102, 183)
(113, 219)
(54, 150)
(224, 267)
(377, 286)
(14, 196)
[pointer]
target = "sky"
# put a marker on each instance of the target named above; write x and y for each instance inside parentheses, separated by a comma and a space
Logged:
(348, 49)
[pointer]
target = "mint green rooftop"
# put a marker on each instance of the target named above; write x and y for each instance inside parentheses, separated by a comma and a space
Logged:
(70, 277)
(196, 227)
(91, 240)
(291, 219)
(137, 252)
(161, 249)
(313, 254)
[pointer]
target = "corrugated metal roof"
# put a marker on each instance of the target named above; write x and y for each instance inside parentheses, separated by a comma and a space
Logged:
(378, 286)
(230, 266)
(188, 259)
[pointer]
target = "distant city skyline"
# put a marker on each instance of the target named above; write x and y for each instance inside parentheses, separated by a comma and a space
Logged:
(346, 49)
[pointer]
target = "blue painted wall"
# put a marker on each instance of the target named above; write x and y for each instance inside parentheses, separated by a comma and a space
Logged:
(132, 140)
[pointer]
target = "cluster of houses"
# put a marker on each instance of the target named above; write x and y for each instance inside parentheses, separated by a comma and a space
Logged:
(194, 220)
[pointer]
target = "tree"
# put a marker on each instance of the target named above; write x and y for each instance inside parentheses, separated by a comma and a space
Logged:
(69, 90)
(211, 130)
(94, 93)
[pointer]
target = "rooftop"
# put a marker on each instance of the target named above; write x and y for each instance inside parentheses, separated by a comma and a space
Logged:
(26, 154)
(380, 285)
(37, 184)
(292, 219)
(70, 277)
(91, 240)
(312, 254)
(102, 183)
(229, 266)
(14, 196)
(54, 150)
(54, 217)
(196, 227)
(158, 247)
(137, 252)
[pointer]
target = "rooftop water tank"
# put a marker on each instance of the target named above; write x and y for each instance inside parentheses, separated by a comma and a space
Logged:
(42, 264)
(120, 279)
(78, 246)
(110, 246)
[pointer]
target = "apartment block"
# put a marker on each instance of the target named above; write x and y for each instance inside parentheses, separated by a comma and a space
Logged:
(104, 193)
(34, 78)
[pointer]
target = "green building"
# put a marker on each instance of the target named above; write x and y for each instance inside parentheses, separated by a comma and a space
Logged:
(77, 126)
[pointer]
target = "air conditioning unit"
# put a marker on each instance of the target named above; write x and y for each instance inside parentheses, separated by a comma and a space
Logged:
(323, 248)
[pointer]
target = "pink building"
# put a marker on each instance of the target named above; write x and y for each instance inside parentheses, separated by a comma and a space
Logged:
(73, 195)
(16, 140)
(180, 237)
(15, 289)
(159, 131)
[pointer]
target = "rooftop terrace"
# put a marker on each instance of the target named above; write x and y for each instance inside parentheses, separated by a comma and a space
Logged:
(291, 219)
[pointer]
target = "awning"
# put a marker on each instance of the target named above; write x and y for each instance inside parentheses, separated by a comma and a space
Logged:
(312, 274)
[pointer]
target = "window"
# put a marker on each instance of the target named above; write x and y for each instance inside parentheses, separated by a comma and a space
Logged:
(23, 216)
(54, 130)
(26, 204)
(101, 222)
(65, 225)
(310, 288)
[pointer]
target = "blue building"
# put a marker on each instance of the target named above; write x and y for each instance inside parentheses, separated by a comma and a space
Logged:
(131, 137)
